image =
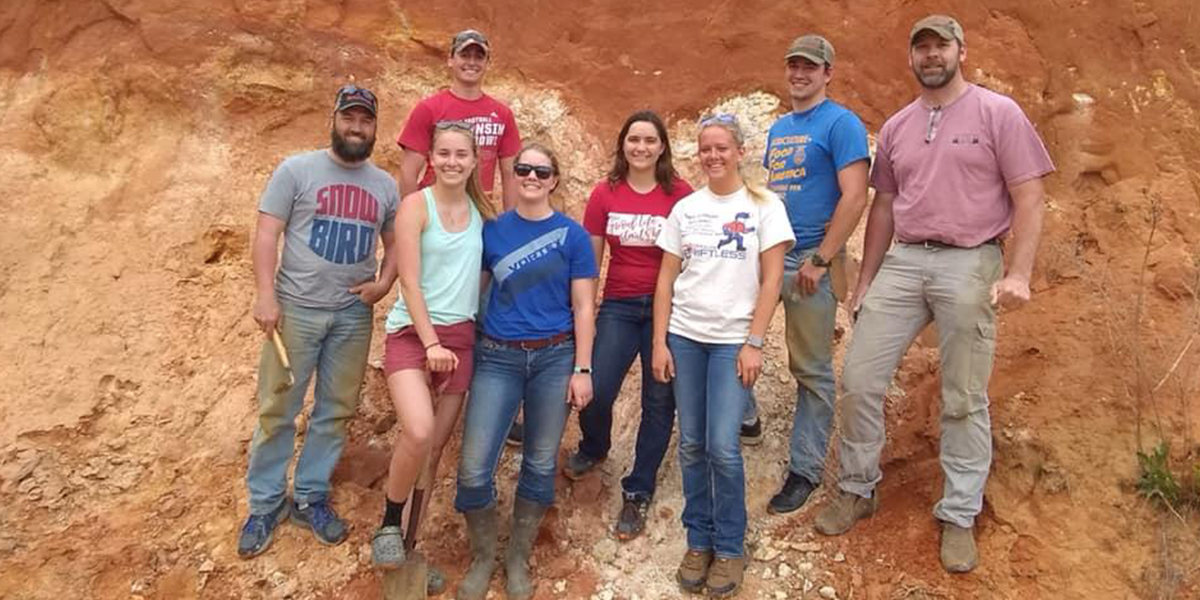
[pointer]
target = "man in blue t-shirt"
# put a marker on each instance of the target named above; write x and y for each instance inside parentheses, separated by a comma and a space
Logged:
(817, 158)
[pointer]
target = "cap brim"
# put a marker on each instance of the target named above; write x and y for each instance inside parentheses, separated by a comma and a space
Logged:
(941, 32)
(809, 54)
(469, 43)
(352, 103)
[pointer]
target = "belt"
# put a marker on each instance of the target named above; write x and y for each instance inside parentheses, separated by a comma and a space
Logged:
(929, 244)
(534, 344)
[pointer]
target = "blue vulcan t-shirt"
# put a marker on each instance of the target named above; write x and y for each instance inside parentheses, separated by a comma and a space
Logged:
(805, 151)
(532, 265)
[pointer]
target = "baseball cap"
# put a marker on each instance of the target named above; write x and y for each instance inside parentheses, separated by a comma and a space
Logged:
(946, 27)
(813, 47)
(351, 95)
(469, 37)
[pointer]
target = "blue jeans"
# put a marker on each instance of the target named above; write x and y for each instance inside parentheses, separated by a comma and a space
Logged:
(334, 343)
(711, 399)
(624, 330)
(505, 375)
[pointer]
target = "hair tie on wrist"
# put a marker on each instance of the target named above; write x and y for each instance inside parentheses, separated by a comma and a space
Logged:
(432, 345)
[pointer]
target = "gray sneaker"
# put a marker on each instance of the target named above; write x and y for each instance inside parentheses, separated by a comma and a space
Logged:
(387, 548)
(844, 510)
(959, 554)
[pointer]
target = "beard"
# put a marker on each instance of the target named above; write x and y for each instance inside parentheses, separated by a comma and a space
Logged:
(934, 81)
(350, 151)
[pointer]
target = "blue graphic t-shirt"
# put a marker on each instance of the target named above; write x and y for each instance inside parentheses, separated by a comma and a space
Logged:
(532, 265)
(805, 151)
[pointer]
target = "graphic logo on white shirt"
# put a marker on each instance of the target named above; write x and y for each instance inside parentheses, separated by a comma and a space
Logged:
(634, 229)
(735, 229)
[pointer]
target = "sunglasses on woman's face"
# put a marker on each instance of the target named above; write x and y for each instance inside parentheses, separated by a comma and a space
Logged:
(523, 170)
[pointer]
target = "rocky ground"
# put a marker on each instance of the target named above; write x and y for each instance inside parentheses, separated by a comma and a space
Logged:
(135, 139)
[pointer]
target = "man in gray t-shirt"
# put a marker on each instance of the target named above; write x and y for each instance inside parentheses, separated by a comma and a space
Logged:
(330, 206)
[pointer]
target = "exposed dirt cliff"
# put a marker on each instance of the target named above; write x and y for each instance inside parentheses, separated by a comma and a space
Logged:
(137, 135)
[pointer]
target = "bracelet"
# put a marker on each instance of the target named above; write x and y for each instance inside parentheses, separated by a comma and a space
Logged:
(583, 370)
(433, 344)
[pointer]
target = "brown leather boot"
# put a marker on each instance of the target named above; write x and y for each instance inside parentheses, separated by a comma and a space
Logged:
(725, 576)
(844, 510)
(693, 571)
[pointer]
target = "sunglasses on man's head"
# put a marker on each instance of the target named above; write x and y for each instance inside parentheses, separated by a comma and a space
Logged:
(350, 90)
(523, 170)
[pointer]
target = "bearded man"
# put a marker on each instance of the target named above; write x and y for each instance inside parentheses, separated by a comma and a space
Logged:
(956, 172)
(329, 206)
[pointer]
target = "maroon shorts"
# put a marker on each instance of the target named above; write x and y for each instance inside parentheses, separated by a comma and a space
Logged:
(404, 350)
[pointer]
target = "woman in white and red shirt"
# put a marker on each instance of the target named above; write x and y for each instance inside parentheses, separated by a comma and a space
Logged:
(626, 211)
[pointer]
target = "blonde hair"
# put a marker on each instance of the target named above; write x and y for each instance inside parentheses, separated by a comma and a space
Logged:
(475, 192)
(729, 122)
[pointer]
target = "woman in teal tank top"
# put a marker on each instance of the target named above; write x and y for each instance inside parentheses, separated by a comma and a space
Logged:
(431, 328)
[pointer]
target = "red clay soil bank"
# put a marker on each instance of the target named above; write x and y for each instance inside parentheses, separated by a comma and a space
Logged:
(136, 136)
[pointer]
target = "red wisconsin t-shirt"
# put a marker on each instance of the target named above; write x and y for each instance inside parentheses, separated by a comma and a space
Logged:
(495, 130)
(630, 222)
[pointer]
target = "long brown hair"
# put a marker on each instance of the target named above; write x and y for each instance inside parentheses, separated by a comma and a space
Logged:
(664, 170)
(475, 192)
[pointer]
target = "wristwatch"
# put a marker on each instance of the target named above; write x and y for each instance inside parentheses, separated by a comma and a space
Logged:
(754, 341)
(818, 260)
(583, 370)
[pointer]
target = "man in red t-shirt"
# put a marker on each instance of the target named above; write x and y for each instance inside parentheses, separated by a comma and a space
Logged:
(493, 122)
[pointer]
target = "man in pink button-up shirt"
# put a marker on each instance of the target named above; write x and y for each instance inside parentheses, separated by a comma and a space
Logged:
(956, 171)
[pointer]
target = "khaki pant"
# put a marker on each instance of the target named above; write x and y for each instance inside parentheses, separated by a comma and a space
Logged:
(915, 285)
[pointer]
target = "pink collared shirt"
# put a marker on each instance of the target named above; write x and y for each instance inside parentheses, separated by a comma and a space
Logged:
(951, 167)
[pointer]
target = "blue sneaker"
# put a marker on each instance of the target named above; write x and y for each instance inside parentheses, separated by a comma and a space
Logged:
(320, 518)
(259, 530)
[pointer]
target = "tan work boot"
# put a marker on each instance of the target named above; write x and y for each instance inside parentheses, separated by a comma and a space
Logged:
(958, 548)
(844, 510)
(693, 571)
(725, 577)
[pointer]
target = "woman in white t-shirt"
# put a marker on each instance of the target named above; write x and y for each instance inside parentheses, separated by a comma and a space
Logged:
(721, 273)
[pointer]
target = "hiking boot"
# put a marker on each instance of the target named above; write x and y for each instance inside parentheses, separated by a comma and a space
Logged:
(844, 510)
(320, 518)
(387, 548)
(693, 571)
(516, 435)
(794, 494)
(751, 434)
(259, 530)
(632, 519)
(725, 576)
(526, 518)
(579, 464)
(958, 548)
(481, 530)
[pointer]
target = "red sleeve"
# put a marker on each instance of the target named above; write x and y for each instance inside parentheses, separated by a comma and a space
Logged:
(510, 141)
(418, 131)
(681, 189)
(595, 216)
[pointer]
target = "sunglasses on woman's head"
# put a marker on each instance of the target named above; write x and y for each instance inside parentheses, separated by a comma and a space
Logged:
(719, 118)
(463, 125)
(523, 170)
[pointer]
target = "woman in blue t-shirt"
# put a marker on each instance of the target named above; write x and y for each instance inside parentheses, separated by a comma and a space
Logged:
(535, 353)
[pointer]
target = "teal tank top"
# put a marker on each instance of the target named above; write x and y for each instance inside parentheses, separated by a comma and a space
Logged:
(450, 265)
